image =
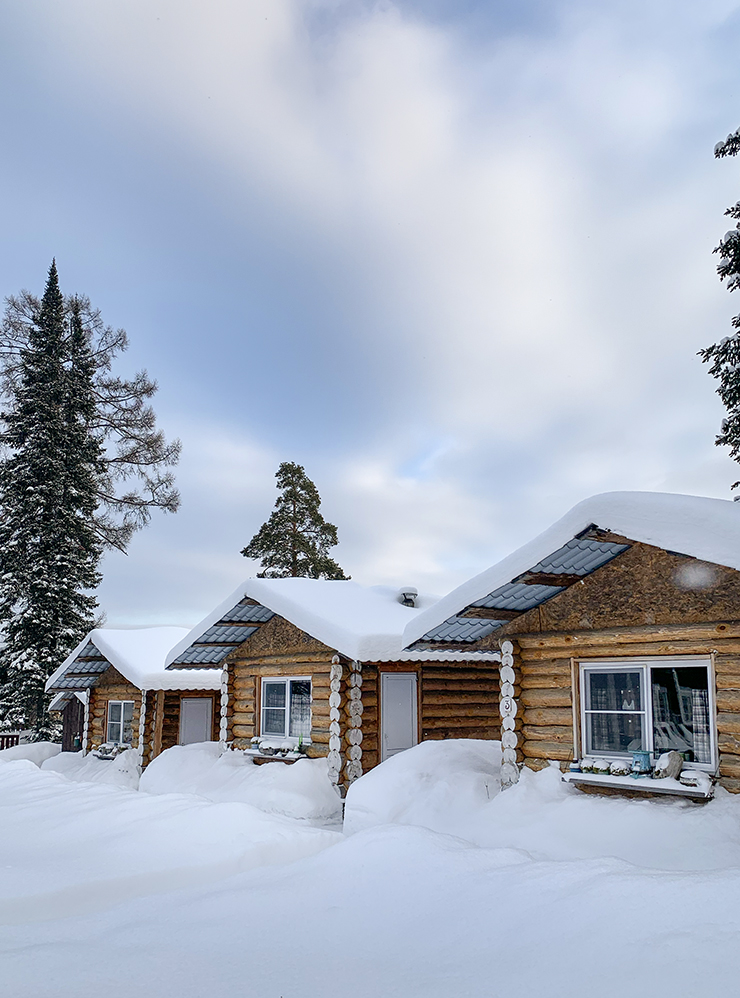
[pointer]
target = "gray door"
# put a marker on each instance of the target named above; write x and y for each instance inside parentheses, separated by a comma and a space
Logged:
(195, 719)
(398, 716)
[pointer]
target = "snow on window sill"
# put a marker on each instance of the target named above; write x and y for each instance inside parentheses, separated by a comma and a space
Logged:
(703, 791)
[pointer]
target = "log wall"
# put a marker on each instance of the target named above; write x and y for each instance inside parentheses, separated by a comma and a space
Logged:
(278, 648)
(111, 686)
(161, 729)
(162, 719)
(456, 700)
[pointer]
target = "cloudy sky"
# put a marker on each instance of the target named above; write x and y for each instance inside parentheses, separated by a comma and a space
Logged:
(454, 256)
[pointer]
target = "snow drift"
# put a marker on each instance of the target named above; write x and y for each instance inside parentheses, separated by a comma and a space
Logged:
(300, 790)
(36, 752)
(123, 771)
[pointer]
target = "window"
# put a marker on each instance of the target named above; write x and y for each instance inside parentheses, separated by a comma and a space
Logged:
(660, 706)
(120, 721)
(286, 708)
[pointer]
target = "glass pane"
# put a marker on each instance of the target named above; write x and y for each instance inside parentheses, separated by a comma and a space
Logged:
(114, 731)
(273, 721)
(128, 714)
(613, 733)
(273, 694)
(681, 712)
(300, 708)
(614, 690)
(114, 710)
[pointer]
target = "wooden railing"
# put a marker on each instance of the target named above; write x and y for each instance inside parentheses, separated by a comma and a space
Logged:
(9, 740)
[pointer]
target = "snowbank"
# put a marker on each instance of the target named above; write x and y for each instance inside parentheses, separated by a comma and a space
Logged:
(436, 784)
(539, 890)
(72, 847)
(300, 790)
(36, 752)
(451, 787)
(123, 771)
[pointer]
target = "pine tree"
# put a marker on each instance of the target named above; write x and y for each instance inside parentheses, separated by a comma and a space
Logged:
(135, 476)
(49, 545)
(296, 538)
(724, 356)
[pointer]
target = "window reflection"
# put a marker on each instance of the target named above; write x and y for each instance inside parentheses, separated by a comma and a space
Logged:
(681, 712)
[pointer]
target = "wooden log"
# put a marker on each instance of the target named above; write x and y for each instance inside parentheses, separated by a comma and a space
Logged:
(725, 659)
(292, 659)
(549, 732)
(731, 784)
(469, 699)
(470, 685)
(729, 765)
(627, 650)
(242, 717)
(619, 636)
(242, 730)
(243, 687)
(728, 681)
(728, 700)
(554, 682)
(453, 709)
(546, 698)
(728, 723)
(440, 734)
(729, 743)
(537, 764)
(545, 667)
(547, 715)
(459, 722)
(548, 750)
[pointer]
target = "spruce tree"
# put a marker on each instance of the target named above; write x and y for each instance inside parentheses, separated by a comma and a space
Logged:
(296, 538)
(135, 477)
(724, 357)
(49, 546)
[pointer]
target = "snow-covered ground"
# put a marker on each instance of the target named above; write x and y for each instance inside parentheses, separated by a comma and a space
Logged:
(441, 886)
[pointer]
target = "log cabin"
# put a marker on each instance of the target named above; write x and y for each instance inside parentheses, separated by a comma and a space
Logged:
(113, 690)
(317, 667)
(619, 629)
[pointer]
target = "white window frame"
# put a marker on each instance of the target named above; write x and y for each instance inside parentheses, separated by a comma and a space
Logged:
(644, 665)
(108, 722)
(285, 680)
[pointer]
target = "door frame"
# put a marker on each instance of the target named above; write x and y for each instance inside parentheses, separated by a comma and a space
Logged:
(400, 669)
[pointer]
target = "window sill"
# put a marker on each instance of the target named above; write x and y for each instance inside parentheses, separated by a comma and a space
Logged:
(642, 785)
(259, 757)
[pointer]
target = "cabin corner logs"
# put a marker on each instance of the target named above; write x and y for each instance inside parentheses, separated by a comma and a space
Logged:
(631, 608)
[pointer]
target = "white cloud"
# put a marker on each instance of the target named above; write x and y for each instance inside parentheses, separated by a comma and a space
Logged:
(528, 219)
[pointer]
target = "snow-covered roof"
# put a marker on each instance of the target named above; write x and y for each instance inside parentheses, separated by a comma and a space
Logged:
(362, 623)
(138, 653)
(706, 529)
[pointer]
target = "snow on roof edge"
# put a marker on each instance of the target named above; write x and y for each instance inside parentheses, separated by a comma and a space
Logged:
(145, 675)
(367, 647)
(703, 528)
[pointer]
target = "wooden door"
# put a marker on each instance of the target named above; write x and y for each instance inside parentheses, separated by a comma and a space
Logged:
(398, 712)
(73, 718)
